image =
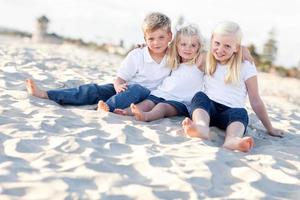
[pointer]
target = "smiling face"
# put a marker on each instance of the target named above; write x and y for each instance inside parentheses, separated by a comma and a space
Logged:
(187, 47)
(158, 40)
(223, 47)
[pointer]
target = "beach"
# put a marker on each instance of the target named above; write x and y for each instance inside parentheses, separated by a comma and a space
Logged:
(49, 151)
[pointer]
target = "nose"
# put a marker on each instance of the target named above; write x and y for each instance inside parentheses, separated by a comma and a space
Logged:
(219, 49)
(155, 42)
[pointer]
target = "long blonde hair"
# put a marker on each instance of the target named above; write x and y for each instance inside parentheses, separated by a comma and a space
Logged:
(234, 63)
(173, 58)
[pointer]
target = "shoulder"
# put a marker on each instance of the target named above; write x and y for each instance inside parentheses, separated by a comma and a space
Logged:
(137, 52)
(135, 55)
(246, 63)
(247, 66)
(248, 70)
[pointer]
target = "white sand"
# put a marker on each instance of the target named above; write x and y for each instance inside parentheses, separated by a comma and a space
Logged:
(52, 152)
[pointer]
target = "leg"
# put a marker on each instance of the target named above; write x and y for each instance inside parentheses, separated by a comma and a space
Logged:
(134, 94)
(145, 106)
(234, 139)
(201, 109)
(159, 111)
(87, 94)
(33, 90)
(235, 121)
(125, 112)
(199, 127)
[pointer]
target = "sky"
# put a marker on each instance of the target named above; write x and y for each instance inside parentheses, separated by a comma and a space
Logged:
(113, 20)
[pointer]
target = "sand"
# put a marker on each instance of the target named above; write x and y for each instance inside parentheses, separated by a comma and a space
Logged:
(48, 151)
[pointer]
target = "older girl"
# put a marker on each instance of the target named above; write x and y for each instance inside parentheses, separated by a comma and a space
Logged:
(227, 82)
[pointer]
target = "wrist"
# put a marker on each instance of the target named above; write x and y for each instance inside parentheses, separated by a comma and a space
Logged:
(270, 130)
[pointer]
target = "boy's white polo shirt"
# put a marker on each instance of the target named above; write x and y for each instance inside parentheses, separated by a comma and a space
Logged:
(139, 68)
(231, 95)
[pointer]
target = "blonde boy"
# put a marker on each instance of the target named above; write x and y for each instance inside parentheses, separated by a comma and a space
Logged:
(141, 71)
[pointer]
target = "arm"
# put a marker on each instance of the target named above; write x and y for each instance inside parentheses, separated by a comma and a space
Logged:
(127, 71)
(259, 107)
(120, 85)
(201, 61)
(246, 55)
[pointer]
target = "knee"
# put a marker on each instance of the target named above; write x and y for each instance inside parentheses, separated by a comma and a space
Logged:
(240, 114)
(199, 96)
(137, 87)
(139, 90)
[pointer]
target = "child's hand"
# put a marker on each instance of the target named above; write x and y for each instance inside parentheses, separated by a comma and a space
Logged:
(121, 87)
(276, 133)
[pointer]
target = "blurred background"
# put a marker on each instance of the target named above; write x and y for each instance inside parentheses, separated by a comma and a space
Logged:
(268, 25)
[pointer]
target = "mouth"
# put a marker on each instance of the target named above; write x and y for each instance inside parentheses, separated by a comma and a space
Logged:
(219, 55)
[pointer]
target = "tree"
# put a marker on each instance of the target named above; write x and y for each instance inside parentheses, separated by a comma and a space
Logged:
(254, 54)
(270, 48)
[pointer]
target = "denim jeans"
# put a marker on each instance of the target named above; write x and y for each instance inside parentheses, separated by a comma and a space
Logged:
(135, 93)
(83, 95)
(220, 115)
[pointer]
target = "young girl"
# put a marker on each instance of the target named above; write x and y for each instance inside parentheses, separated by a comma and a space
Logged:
(227, 81)
(172, 97)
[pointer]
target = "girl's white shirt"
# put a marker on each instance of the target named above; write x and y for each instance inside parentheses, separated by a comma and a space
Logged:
(183, 83)
(231, 95)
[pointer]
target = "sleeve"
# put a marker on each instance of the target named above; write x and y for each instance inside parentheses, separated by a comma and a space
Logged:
(249, 70)
(129, 67)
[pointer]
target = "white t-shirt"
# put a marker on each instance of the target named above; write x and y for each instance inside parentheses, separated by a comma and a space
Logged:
(231, 95)
(139, 68)
(183, 83)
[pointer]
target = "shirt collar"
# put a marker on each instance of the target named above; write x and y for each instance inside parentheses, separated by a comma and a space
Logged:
(148, 58)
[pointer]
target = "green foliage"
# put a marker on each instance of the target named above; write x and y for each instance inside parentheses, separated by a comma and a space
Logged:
(267, 65)
(270, 48)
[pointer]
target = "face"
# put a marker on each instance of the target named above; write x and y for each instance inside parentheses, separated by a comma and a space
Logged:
(158, 40)
(223, 47)
(187, 47)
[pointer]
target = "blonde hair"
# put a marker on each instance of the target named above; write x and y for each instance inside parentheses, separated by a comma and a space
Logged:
(156, 20)
(173, 58)
(234, 63)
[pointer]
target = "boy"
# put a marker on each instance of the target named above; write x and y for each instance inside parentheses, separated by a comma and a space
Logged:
(141, 71)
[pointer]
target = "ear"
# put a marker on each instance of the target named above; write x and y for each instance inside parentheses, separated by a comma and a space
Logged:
(170, 36)
(237, 48)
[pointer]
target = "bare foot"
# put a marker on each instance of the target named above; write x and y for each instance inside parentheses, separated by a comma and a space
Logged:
(138, 114)
(33, 90)
(244, 144)
(102, 106)
(119, 111)
(191, 129)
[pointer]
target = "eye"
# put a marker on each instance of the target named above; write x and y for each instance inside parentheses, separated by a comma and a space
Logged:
(183, 44)
(217, 43)
(194, 45)
(227, 46)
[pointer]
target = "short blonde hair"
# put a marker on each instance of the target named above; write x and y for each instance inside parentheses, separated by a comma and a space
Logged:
(227, 28)
(156, 20)
(173, 59)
